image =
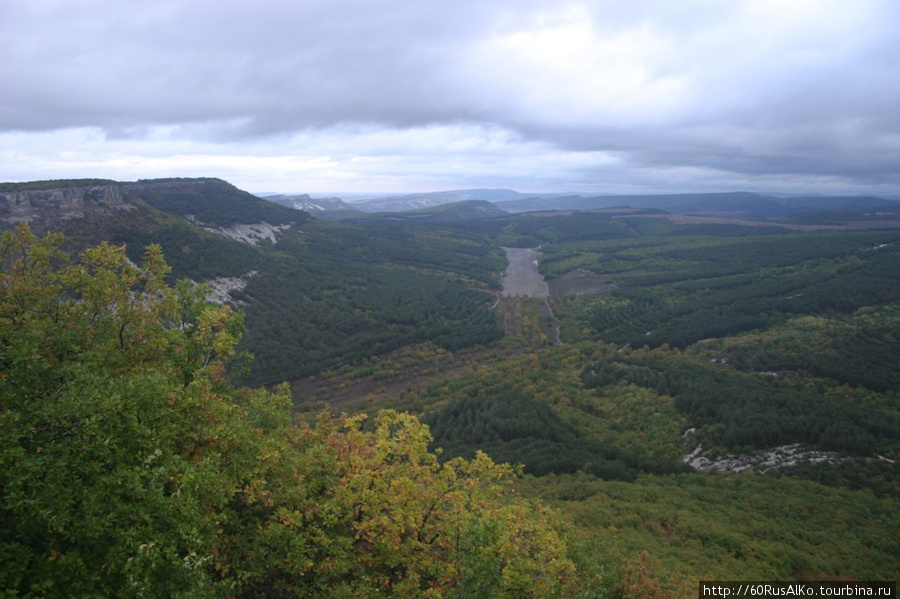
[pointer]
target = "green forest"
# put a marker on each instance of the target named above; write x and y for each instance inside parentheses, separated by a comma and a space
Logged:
(729, 342)
(369, 416)
(130, 466)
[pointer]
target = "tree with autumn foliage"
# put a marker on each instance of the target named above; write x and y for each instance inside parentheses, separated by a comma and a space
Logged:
(392, 520)
(130, 466)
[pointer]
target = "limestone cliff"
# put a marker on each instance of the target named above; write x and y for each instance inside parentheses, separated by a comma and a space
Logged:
(88, 207)
(45, 207)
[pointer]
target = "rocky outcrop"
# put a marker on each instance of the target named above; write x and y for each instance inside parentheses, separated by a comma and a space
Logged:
(223, 286)
(307, 204)
(249, 233)
(45, 208)
(784, 456)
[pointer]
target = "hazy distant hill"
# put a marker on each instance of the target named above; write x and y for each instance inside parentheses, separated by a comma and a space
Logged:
(726, 205)
(839, 204)
(313, 205)
(732, 205)
(742, 203)
(418, 201)
(454, 212)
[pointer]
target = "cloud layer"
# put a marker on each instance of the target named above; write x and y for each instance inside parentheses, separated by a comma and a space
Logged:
(402, 95)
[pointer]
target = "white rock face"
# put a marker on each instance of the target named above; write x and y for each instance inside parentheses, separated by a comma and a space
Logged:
(223, 286)
(779, 457)
(251, 234)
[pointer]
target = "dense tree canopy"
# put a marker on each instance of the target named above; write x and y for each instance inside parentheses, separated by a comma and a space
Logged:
(512, 427)
(130, 466)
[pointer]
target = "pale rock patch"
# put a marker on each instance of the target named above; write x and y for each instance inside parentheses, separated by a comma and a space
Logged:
(222, 287)
(250, 233)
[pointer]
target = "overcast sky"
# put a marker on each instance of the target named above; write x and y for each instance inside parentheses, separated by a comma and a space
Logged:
(605, 96)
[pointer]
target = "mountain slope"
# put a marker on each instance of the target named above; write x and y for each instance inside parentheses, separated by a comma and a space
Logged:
(212, 202)
(314, 297)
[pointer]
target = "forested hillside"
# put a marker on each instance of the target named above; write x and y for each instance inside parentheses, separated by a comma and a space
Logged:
(705, 399)
(338, 294)
(315, 294)
(129, 466)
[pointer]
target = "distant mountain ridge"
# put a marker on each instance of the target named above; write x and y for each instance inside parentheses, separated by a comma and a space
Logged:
(465, 210)
(217, 204)
(306, 203)
(417, 201)
(738, 204)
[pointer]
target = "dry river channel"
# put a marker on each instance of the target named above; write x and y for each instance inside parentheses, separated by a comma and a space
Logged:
(522, 276)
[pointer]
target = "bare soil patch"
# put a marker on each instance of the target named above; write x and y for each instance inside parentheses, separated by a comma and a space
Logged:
(581, 281)
(349, 392)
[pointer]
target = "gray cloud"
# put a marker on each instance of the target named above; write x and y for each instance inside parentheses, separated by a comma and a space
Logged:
(276, 64)
(641, 92)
